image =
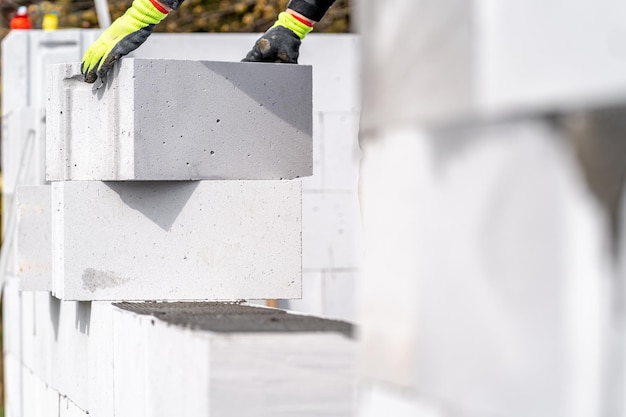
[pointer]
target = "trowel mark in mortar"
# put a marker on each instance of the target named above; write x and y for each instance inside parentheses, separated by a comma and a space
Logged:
(94, 279)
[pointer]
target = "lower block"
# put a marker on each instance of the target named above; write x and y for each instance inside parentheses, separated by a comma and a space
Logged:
(219, 360)
(202, 240)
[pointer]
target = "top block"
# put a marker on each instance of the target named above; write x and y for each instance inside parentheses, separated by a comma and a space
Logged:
(156, 119)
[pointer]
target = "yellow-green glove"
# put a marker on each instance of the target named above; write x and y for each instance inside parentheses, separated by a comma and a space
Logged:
(123, 36)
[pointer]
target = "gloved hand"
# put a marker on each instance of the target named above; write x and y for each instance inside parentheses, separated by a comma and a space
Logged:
(123, 36)
(281, 43)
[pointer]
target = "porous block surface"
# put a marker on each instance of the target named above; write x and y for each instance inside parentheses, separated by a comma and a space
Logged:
(187, 240)
(162, 119)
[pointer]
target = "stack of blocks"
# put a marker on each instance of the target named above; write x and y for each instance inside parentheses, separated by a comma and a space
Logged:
(181, 189)
(175, 181)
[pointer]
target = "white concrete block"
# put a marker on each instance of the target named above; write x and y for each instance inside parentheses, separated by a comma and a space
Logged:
(200, 355)
(27, 323)
(45, 363)
(176, 240)
(15, 51)
(18, 153)
(537, 69)
(12, 386)
(470, 245)
(48, 48)
(100, 365)
(68, 409)
(70, 361)
(341, 153)
(336, 71)
(330, 230)
(34, 245)
(29, 52)
(340, 295)
(130, 366)
(38, 400)
(248, 121)
(11, 318)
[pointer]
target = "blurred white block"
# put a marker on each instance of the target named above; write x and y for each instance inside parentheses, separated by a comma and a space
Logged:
(556, 65)
(29, 349)
(340, 295)
(314, 182)
(336, 71)
(247, 121)
(68, 409)
(38, 400)
(340, 151)
(34, 245)
(301, 366)
(18, 155)
(29, 52)
(12, 385)
(69, 371)
(330, 230)
(471, 254)
(46, 331)
(202, 240)
(100, 361)
(11, 318)
(15, 50)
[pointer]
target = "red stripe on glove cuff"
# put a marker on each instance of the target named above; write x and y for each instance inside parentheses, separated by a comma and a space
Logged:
(159, 6)
(301, 20)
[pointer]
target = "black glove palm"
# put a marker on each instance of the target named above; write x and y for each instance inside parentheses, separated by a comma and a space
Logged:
(278, 44)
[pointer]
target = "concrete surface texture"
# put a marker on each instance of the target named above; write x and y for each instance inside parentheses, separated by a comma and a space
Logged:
(180, 120)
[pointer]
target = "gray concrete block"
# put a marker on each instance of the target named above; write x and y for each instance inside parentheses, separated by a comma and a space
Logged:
(180, 120)
(189, 240)
(33, 240)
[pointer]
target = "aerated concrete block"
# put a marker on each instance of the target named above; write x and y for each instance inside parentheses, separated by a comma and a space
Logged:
(12, 386)
(34, 245)
(180, 120)
(189, 240)
(38, 399)
(217, 360)
(11, 318)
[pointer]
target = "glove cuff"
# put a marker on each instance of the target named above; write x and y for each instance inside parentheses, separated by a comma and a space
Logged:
(147, 11)
(312, 9)
(291, 22)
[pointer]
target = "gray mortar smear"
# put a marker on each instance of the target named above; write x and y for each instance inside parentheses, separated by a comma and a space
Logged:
(235, 318)
(94, 279)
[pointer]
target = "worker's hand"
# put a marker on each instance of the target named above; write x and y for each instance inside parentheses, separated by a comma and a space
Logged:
(123, 36)
(281, 43)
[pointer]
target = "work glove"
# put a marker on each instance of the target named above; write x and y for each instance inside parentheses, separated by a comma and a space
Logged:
(281, 43)
(123, 36)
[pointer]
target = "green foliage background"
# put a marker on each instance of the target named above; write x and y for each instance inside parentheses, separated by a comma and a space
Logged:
(193, 15)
